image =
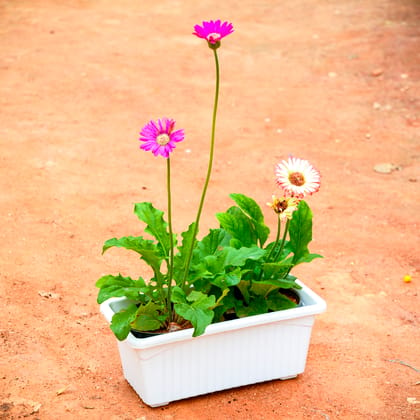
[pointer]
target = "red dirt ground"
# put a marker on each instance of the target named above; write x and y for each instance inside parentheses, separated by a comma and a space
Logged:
(335, 82)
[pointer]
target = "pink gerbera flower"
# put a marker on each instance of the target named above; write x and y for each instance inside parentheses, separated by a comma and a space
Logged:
(213, 31)
(297, 177)
(159, 137)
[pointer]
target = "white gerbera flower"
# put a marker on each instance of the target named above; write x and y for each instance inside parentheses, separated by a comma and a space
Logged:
(297, 177)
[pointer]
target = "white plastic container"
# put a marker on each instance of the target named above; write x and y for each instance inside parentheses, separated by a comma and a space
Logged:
(244, 351)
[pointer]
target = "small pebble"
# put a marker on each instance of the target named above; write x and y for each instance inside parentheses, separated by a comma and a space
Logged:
(377, 72)
(386, 168)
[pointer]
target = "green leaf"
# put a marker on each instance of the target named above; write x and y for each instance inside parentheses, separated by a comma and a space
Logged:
(248, 206)
(149, 251)
(117, 286)
(120, 324)
(257, 305)
(180, 259)
(253, 211)
(209, 256)
(218, 263)
(279, 283)
(178, 295)
(197, 310)
(277, 302)
(308, 258)
(224, 303)
(215, 264)
(148, 317)
(283, 255)
(235, 243)
(243, 287)
(156, 226)
(300, 231)
(262, 288)
(238, 257)
(235, 222)
(212, 242)
(276, 270)
(224, 281)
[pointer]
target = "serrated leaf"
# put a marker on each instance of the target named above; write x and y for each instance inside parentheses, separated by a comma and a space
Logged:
(187, 239)
(149, 251)
(226, 280)
(200, 299)
(117, 286)
(197, 310)
(156, 225)
(148, 317)
(209, 256)
(120, 324)
(308, 258)
(215, 264)
(238, 257)
(180, 259)
(178, 295)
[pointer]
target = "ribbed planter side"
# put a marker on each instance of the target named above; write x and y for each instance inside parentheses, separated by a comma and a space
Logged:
(230, 354)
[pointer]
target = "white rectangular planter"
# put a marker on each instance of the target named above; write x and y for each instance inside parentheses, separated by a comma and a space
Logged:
(244, 351)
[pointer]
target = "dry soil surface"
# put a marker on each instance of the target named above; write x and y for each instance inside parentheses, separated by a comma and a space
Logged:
(335, 82)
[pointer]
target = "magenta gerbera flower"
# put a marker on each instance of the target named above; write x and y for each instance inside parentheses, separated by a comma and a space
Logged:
(159, 137)
(213, 31)
(297, 177)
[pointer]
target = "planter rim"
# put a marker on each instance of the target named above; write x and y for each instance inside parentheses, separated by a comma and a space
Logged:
(311, 304)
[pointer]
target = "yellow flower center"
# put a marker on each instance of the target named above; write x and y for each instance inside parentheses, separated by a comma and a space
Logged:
(162, 139)
(297, 178)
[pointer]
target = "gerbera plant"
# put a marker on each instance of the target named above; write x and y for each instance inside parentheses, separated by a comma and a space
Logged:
(232, 271)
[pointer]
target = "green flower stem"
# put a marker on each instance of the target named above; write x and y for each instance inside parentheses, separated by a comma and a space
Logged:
(277, 238)
(171, 238)
(209, 169)
(283, 240)
(276, 242)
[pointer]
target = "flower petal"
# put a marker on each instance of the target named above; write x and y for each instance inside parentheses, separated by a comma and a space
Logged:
(150, 133)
